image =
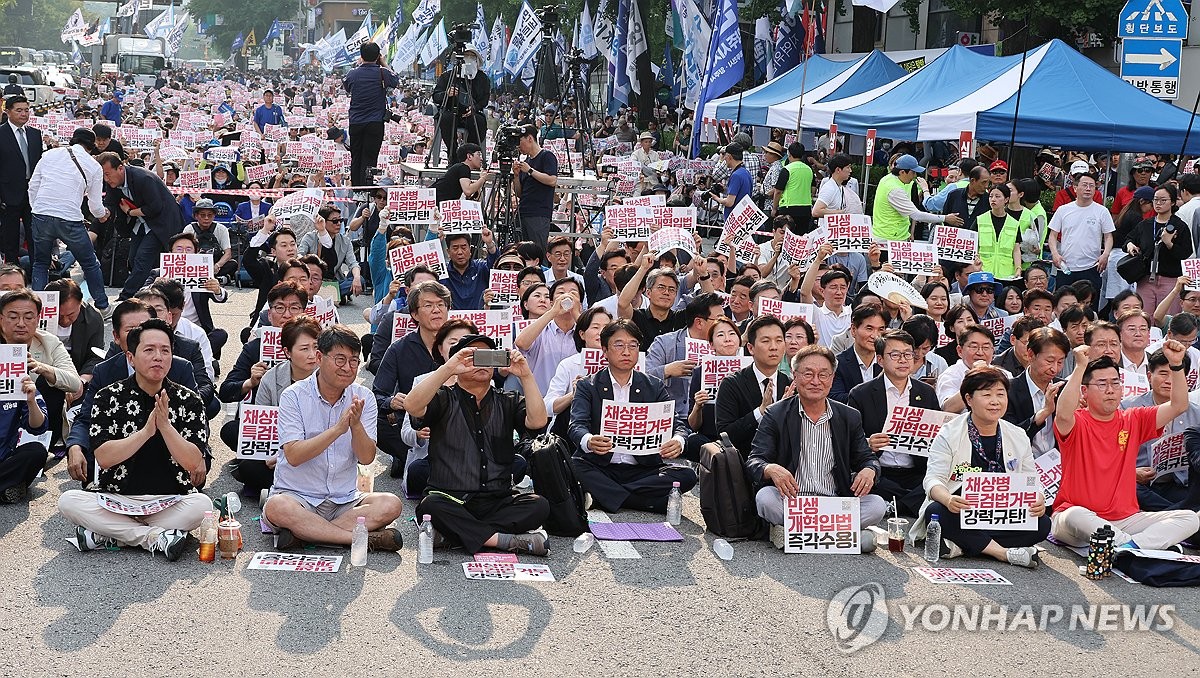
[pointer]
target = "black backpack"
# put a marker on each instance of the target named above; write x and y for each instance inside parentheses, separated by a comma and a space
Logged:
(726, 495)
(550, 469)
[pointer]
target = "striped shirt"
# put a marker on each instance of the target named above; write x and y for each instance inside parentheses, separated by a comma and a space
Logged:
(814, 473)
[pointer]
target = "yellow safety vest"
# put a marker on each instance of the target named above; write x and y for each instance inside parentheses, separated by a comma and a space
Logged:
(886, 222)
(997, 254)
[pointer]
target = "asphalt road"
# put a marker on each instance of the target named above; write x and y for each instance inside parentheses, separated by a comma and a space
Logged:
(676, 609)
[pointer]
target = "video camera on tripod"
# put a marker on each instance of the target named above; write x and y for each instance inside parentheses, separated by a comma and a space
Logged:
(549, 15)
(508, 138)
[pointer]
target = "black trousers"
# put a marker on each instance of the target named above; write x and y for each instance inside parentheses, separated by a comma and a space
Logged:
(16, 230)
(365, 140)
(972, 542)
(473, 126)
(632, 486)
(217, 338)
(802, 215)
(144, 249)
(22, 465)
(417, 478)
(56, 401)
(474, 521)
(904, 486)
(389, 441)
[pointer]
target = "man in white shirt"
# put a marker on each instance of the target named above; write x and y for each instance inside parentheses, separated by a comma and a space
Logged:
(60, 182)
(838, 193)
(833, 315)
(1134, 328)
(1189, 193)
(1081, 236)
(976, 346)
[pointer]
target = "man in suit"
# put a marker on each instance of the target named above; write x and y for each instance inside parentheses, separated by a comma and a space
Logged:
(743, 398)
(1033, 393)
(1015, 359)
(667, 357)
(151, 210)
(902, 474)
(810, 445)
(21, 146)
(126, 316)
(857, 363)
(616, 480)
(85, 343)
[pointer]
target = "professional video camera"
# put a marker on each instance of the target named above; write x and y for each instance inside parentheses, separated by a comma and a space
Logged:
(549, 16)
(460, 35)
(508, 137)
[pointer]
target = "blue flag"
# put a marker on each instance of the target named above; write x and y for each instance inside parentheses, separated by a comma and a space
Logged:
(726, 65)
(273, 32)
(787, 45)
(620, 84)
(238, 42)
(668, 73)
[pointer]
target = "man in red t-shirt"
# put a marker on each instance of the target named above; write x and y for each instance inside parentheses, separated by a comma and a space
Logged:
(1099, 446)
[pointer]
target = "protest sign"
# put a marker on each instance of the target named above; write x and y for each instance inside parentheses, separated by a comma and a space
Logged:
(127, 506)
(956, 244)
(1133, 383)
(911, 429)
(294, 562)
(802, 249)
(637, 428)
(912, 258)
(821, 525)
(1049, 468)
(672, 238)
(1191, 268)
(299, 209)
(322, 310)
(404, 258)
(655, 200)
(275, 133)
(696, 349)
(1168, 453)
(786, 310)
(962, 575)
(402, 325)
(999, 326)
(743, 219)
(495, 557)
(460, 217)
(593, 360)
(503, 285)
(263, 172)
(194, 180)
(1000, 501)
(848, 232)
(270, 347)
(189, 270)
(629, 223)
(411, 205)
(496, 323)
(714, 369)
(48, 321)
(493, 571)
(14, 364)
(675, 217)
(258, 432)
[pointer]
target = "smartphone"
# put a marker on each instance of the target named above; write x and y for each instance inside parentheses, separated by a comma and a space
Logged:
(489, 357)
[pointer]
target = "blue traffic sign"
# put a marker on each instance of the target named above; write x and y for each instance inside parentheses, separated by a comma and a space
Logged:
(1153, 19)
(1151, 58)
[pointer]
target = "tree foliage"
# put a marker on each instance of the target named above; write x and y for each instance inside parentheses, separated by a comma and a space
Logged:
(35, 24)
(241, 16)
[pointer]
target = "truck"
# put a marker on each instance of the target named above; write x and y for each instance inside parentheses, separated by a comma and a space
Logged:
(137, 55)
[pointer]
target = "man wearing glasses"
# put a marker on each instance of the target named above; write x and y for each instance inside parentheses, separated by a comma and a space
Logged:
(326, 429)
(559, 252)
(657, 319)
(976, 346)
(456, 182)
(810, 445)
(1099, 447)
(668, 357)
(468, 278)
(981, 296)
(901, 474)
(336, 251)
(1081, 236)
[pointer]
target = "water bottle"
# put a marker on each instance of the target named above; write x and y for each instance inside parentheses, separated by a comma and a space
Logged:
(358, 544)
(425, 541)
(674, 505)
(723, 549)
(584, 542)
(208, 538)
(933, 539)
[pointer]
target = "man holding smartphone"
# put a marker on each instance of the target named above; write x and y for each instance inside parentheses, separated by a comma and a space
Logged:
(367, 84)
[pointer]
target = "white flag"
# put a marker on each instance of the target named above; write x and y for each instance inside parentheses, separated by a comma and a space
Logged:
(602, 34)
(635, 45)
(587, 36)
(697, 34)
(437, 43)
(526, 39)
(75, 27)
(128, 9)
(407, 48)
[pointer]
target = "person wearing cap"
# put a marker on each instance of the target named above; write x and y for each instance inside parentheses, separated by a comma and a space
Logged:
(1067, 193)
(111, 110)
(367, 84)
(773, 154)
(212, 237)
(1139, 175)
(981, 296)
(739, 184)
(57, 188)
(645, 155)
(1081, 236)
(469, 496)
(534, 180)
(461, 98)
(894, 210)
(999, 172)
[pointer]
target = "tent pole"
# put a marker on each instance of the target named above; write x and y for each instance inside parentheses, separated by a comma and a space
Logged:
(1012, 140)
(1187, 134)
(808, 35)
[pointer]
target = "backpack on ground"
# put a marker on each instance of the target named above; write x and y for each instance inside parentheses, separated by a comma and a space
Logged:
(726, 495)
(553, 478)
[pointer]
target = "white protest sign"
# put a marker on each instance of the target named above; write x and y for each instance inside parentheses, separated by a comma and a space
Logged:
(14, 365)
(787, 310)
(460, 217)
(190, 270)
(637, 428)
(48, 321)
(848, 232)
(263, 172)
(270, 347)
(411, 205)
(258, 432)
(322, 310)
(503, 285)
(593, 360)
(802, 249)
(675, 217)
(1191, 268)
(493, 571)
(956, 244)
(1000, 501)
(299, 209)
(714, 369)
(1049, 468)
(743, 219)
(821, 525)
(494, 323)
(194, 180)
(294, 562)
(672, 238)
(1168, 453)
(629, 223)
(696, 349)
(402, 325)
(404, 258)
(134, 507)
(911, 429)
(1133, 383)
(912, 258)
(654, 200)
(962, 575)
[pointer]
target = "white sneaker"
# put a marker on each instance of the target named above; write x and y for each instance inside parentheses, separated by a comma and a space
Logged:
(170, 543)
(778, 536)
(1024, 557)
(86, 540)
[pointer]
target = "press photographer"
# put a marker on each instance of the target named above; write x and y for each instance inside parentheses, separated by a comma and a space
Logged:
(461, 94)
(367, 84)
(534, 179)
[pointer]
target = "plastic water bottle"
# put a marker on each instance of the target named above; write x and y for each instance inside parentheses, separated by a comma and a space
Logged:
(208, 538)
(723, 549)
(584, 542)
(358, 544)
(933, 539)
(425, 541)
(674, 505)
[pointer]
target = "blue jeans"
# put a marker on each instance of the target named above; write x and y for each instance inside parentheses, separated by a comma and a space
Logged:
(144, 249)
(47, 231)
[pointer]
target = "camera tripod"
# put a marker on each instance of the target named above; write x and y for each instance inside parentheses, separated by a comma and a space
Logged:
(450, 107)
(573, 86)
(503, 220)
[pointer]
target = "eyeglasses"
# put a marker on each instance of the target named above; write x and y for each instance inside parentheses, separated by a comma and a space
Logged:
(561, 253)
(287, 309)
(900, 355)
(509, 267)
(1105, 385)
(822, 375)
(982, 290)
(430, 305)
(1136, 330)
(334, 221)
(664, 288)
(978, 347)
(622, 347)
(342, 361)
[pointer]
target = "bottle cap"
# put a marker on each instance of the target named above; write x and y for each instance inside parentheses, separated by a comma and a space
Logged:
(362, 520)
(675, 485)
(426, 518)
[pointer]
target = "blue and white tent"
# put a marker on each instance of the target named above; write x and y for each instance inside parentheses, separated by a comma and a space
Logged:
(777, 102)
(1067, 100)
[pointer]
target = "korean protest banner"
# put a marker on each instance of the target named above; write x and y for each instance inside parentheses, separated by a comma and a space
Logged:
(848, 232)
(962, 575)
(786, 310)
(675, 217)
(593, 360)
(263, 172)
(299, 209)
(802, 249)
(629, 223)
(14, 364)
(714, 369)
(672, 238)
(190, 270)
(655, 200)
(1168, 453)
(912, 258)
(258, 432)
(1134, 383)
(1191, 268)
(411, 205)
(1000, 501)
(821, 525)
(999, 326)
(637, 428)
(270, 347)
(696, 349)
(48, 321)
(294, 562)
(402, 325)
(322, 310)
(744, 219)
(460, 217)
(911, 429)
(496, 323)
(503, 285)
(492, 571)
(194, 180)
(403, 258)
(956, 244)
(1049, 468)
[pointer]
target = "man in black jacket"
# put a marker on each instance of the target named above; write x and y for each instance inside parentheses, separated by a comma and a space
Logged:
(902, 474)
(743, 397)
(151, 211)
(809, 445)
(970, 201)
(1033, 393)
(859, 363)
(461, 101)
(616, 480)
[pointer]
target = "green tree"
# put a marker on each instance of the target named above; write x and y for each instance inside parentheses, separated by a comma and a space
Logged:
(241, 17)
(35, 23)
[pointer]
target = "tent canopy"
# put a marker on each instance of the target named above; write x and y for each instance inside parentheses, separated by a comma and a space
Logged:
(776, 102)
(1066, 100)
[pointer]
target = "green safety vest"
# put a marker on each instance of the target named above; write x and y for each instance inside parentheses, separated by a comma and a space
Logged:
(798, 191)
(886, 222)
(997, 255)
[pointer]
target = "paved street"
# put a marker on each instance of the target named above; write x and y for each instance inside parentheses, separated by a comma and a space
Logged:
(677, 609)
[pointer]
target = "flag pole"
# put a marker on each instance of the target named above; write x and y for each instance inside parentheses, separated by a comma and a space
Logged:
(808, 36)
(1012, 140)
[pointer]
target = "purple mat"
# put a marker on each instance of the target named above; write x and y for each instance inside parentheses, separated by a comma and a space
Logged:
(635, 532)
